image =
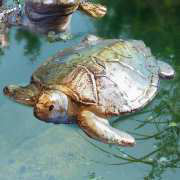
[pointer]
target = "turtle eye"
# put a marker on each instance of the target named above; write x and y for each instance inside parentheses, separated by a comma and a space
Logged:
(51, 107)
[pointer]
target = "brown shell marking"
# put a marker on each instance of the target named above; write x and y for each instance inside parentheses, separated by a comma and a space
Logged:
(81, 81)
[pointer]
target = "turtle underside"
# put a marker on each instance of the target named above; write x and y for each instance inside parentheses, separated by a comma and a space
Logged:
(115, 76)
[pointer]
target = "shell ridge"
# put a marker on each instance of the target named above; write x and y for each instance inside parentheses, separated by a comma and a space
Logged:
(94, 87)
(80, 80)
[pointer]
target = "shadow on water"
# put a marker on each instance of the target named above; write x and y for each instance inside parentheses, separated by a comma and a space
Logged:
(32, 43)
(156, 23)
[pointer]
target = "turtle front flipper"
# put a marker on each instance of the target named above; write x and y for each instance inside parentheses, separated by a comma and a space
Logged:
(24, 95)
(92, 9)
(165, 70)
(99, 129)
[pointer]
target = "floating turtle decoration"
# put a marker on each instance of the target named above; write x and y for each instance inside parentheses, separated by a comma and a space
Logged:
(56, 14)
(51, 17)
(92, 82)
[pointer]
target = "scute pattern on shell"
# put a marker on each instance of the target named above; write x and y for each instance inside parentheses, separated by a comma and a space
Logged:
(82, 82)
(114, 75)
(131, 77)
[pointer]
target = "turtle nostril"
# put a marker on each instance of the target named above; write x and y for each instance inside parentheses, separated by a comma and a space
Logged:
(6, 90)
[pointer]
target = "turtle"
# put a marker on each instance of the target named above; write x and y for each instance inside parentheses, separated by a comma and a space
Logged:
(50, 17)
(92, 82)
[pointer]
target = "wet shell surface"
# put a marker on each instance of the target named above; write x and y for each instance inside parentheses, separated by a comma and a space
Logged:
(115, 75)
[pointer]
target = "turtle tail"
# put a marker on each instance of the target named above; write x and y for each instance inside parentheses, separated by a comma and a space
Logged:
(92, 9)
(22, 94)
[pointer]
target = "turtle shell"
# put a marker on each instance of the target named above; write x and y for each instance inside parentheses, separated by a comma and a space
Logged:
(116, 75)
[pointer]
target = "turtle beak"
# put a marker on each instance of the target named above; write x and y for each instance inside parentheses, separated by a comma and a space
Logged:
(20, 94)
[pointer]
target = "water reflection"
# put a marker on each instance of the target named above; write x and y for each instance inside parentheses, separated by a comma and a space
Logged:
(155, 22)
(32, 43)
(1, 52)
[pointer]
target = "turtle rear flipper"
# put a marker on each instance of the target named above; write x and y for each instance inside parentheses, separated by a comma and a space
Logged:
(165, 70)
(24, 95)
(92, 9)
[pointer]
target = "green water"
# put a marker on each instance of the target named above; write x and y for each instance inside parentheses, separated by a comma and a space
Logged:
(33, 150)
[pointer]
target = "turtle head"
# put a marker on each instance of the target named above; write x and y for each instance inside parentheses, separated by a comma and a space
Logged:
(22, 94)
(52, 106)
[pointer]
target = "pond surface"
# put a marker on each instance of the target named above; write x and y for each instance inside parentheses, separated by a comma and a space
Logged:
(33, 150)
